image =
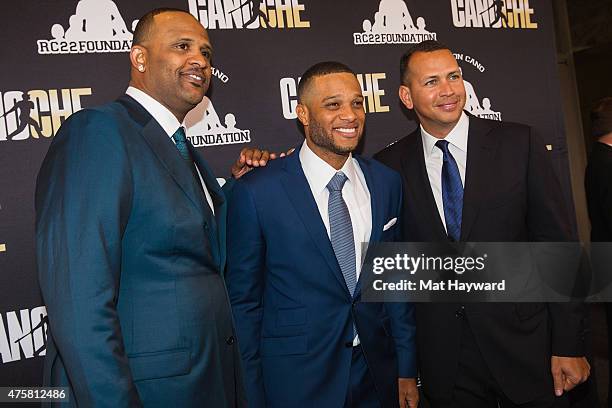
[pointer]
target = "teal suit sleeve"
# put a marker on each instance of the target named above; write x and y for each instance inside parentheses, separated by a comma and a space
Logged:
(83, 200)
(245, 277)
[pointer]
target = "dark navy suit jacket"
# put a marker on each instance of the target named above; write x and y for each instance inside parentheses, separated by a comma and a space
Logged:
(293, 312)
(130, 267)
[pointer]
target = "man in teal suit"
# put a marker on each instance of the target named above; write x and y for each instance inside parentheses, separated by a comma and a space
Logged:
(131, 240)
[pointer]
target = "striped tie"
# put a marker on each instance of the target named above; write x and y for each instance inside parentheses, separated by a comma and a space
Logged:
(452, 192)
(341, 231)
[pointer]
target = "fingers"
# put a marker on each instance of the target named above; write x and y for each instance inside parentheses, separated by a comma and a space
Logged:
(559, 381)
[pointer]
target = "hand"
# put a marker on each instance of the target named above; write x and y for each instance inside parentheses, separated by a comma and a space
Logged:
(252, 157)
(568, 372)
(408, 392)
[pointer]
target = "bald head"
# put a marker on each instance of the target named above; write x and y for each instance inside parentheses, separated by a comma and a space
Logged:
(145, 25)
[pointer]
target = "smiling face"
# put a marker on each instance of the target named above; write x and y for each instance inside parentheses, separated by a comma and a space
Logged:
(433, 87)
(333, 116)
(173, 64)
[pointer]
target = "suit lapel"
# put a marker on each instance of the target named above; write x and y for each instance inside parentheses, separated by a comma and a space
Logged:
(481, 151)
(161, 145)
(377, 209)
(166, 152)
(419, 194)
(299, 193)
(216, 232)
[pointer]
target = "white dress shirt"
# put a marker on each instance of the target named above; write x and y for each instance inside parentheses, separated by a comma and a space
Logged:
(354, 192)
(457, 145)
(168, 122)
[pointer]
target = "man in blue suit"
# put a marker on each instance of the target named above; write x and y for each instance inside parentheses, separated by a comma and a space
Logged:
(295, 234)
(131, 240)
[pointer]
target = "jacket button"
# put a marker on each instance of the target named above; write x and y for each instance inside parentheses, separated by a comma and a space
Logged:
(230, 340)
(348, 344)
(460, 313)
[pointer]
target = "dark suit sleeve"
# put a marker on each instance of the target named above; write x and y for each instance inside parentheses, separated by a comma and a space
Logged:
(245, 277)
(548, 221)
(402, 313)
(83, 199)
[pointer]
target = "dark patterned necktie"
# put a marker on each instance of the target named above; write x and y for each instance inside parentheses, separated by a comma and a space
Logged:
(452, 192)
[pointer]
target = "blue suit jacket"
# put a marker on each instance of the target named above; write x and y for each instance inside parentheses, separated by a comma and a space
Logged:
(293, 311)
(130, 267)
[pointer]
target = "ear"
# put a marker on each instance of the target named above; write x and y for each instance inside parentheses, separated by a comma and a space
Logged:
(303, 114)
(138, 58)
(405, 96)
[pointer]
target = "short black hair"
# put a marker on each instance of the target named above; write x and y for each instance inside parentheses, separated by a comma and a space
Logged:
(145, 24)
(320, 69)
(424, 46)
(601, 117)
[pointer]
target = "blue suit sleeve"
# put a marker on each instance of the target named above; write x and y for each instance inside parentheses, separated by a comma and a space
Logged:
(83, 199)
(245, 277)
(403, 323)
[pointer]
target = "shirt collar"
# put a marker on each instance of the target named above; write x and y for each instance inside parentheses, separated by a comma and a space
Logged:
(319, 172)
(458, 136)
(160, 113)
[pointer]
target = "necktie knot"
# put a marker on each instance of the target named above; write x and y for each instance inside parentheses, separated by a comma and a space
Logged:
(443, 145)
(181, 144)
(337, 182)
(179, 136)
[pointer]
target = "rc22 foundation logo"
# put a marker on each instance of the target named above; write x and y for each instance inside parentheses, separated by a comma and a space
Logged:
(37, 113)
(205, 127)
(96, 26)
(251, 14)
(393, 24)
(483, 108)
(515, 14)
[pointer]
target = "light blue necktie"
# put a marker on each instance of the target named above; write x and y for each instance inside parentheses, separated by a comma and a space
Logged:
(341, 231)
(452, 192)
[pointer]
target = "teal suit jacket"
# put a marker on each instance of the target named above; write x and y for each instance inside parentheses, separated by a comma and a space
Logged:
(130, 267)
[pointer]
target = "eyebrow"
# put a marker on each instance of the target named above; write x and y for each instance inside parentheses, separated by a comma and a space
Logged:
(191, 40)
(339, 96)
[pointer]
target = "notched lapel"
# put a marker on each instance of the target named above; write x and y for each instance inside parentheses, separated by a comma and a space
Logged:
(170, 158)
(217, 230)
(299, 193)
(482, 145)
(421, 196)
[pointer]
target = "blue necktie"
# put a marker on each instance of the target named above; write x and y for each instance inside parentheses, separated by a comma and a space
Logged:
(181, 145)
(452, 192)
(341, 231)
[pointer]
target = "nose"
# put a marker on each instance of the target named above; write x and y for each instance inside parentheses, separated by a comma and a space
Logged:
(446, 89)
(199, 60)
(348, 113)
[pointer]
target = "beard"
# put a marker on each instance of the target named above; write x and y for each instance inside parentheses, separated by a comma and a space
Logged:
(323, 139)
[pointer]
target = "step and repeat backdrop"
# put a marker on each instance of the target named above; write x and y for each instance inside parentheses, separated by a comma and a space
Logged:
(60, 56)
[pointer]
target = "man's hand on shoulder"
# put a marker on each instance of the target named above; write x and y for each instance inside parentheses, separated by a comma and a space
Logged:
(408, 392)
(568, 372)
(250, 158)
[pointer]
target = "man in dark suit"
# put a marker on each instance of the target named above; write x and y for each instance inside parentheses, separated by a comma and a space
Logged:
(306, 338)
(598, 183)
(468, 179)
(131, 240)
